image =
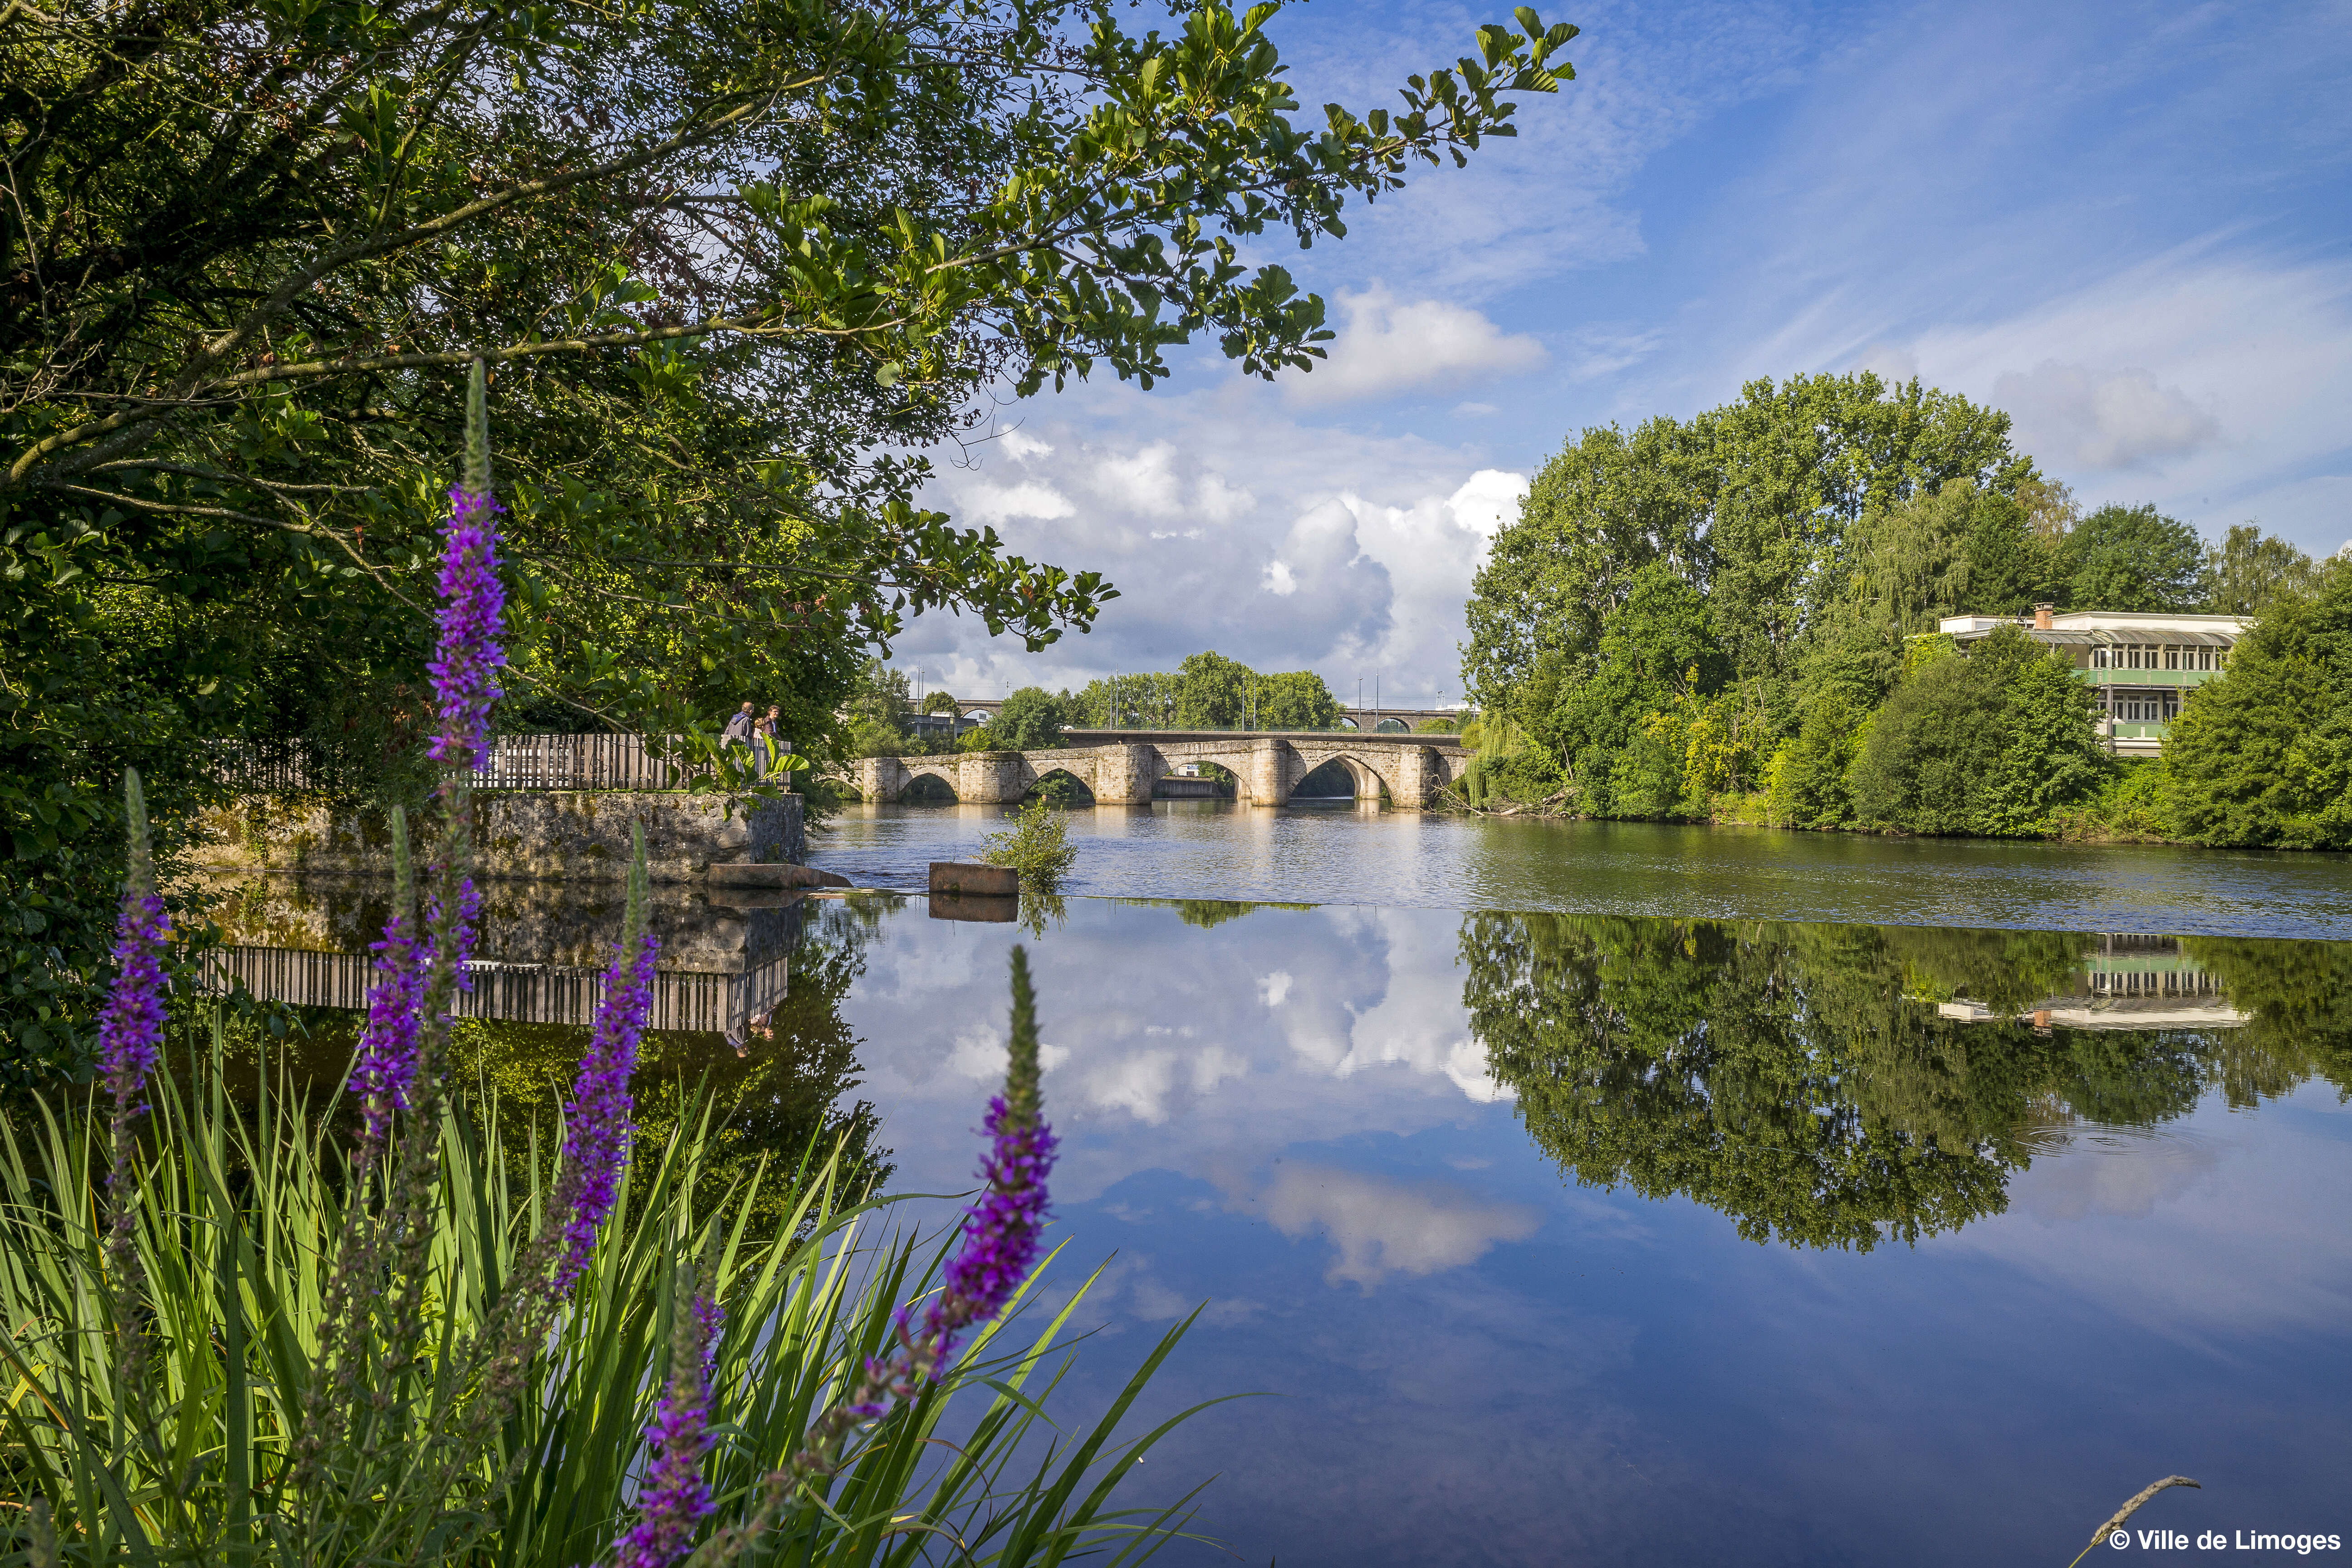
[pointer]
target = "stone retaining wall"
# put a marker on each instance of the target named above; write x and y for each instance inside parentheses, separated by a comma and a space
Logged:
(541, 834)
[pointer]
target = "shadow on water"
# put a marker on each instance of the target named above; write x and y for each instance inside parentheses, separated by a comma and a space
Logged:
(748, 1011)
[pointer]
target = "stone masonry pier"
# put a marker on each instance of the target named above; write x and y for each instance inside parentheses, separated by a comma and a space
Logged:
(1120, 767)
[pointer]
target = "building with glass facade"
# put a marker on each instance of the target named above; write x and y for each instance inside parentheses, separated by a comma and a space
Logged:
(2141, 666)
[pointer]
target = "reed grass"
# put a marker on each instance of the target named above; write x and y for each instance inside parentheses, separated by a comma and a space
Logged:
(188, 1453)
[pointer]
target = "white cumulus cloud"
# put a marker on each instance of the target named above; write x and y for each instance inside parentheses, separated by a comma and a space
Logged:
(2125, 419)
(1000, 503)
(1144, 481)
(1391, 344)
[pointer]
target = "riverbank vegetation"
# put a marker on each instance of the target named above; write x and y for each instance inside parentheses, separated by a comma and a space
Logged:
(1733, 618)
(184, 1335)
(734, 265)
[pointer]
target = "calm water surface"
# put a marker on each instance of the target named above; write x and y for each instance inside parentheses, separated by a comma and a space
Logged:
(1575, 1238)
(1637, 1196)
(1394, 859)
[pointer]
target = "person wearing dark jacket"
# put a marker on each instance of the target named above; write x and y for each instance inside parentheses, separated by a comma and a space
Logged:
(738, 728)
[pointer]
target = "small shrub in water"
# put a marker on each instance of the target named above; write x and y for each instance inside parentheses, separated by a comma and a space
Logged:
(1037, 847)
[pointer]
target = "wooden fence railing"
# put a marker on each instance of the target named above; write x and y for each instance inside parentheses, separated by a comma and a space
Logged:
(516, 762)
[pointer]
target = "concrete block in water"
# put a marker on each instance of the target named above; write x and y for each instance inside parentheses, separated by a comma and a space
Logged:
(986, 881)
(973, 907)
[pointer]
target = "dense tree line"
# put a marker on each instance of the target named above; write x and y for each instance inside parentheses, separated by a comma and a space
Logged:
(1206, 691)
(1736, 616)
(734, 265)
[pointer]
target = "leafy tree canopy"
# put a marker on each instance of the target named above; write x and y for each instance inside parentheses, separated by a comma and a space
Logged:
(2132, 559)
(1030, 719)
(1991, 742)
(1767, 511)
(729, 261)
(2262, 754)
(2250, 568)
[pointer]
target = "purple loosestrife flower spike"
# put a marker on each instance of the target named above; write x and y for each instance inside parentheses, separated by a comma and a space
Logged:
(467, 661)
(994, 1252)
(129, 1036)
(596, 1140)
(385, 1071)
(1000, 1231)
(131, 1026)
(675, 1498)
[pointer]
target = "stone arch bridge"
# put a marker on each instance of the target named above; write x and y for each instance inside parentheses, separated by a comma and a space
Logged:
(1120, 766)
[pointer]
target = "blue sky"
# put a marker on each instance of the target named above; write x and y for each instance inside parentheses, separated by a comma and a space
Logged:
(2128, 225)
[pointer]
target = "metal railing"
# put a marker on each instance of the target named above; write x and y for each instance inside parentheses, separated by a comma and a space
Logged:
(576, 761)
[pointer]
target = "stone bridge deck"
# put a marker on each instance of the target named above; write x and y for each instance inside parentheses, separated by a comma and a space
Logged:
(1120, 766)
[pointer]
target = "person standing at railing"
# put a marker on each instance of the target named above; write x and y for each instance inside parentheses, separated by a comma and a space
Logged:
(767, 746)
(740, 727)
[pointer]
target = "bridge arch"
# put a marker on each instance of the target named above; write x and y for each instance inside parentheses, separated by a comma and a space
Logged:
(929, 783)
(1370, 780)
(1054, 779)
(1329, 779)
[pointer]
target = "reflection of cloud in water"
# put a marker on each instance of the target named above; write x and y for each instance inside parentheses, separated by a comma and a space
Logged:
(1128, 1288)
(1228, 1044)
(2109, 1170)
(2225, 1267)
(1142, 1082)
(980, 1054)
(1414, 1021)
(1383, 1227)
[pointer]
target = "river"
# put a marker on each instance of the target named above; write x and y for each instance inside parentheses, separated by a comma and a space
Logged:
(1339, 855)
(1576, 1193)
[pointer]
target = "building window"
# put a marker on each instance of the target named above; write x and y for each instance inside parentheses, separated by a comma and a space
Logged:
(2204, 658)
(2171, 657)
(2098, 659)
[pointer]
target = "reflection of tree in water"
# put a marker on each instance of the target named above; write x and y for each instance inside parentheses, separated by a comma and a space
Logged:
(775, 1100)
(1800, 1079)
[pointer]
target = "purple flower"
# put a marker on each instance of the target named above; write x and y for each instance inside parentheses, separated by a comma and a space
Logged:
(386, 1068)
(996, 1247)
(131, 1026)
(676, 1497)
(999, 1238)
(596, 1144)
(467, 661)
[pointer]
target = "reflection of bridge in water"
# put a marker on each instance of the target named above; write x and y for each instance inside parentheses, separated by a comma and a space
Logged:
(686, 1000)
